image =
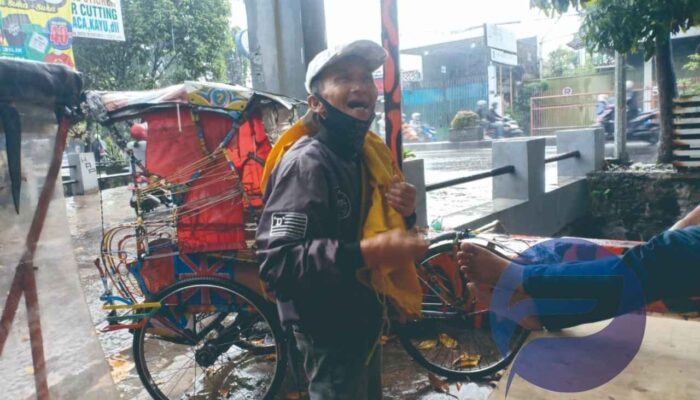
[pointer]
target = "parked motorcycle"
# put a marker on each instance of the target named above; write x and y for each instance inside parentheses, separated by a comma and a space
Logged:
(644, 126)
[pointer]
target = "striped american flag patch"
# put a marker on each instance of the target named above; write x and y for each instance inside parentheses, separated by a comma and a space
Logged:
(290, 224)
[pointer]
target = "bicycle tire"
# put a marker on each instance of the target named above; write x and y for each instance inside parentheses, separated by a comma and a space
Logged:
(450, 373)
(264, 308)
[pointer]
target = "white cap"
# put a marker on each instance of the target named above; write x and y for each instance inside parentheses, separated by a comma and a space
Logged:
(371, 52)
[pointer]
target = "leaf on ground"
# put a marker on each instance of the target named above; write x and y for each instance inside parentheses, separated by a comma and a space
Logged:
(438, 384)
(29, 370)
(120, 367)
(258, 343)
(270, 357)
(295, 395)
(386, 339)
(466, 361)
(427, 344)
(447, 341)
(691, 315)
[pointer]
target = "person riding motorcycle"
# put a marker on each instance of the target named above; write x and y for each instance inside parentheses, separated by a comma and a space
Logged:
(632, 101)
(491, 119)
(493, 114)
(601, 104)
(420, 128)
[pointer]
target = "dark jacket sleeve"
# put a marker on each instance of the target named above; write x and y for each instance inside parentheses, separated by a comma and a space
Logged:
(294, 250)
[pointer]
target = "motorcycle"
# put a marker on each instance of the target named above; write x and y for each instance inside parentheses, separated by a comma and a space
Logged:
(429, 133)
(640, 126)
(511, 129)
(418, 133)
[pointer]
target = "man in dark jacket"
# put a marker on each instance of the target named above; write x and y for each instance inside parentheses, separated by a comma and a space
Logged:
(309, 243)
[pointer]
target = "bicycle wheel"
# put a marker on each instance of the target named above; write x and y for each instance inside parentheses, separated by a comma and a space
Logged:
(210, 339)
(453, 338)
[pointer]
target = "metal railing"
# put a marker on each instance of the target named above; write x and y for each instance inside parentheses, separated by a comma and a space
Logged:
(104, 164)
(563, 156)
(119, 175)
(508, 169)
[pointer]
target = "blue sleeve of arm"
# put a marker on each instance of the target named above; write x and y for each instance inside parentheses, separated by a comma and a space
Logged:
(666, 266)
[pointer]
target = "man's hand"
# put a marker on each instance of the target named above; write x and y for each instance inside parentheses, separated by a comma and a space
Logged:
(393, 247)
(401, 196)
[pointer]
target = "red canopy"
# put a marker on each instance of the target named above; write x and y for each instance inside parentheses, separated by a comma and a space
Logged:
(211, 217)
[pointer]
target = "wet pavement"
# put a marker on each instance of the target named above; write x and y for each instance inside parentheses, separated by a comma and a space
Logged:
(402, 378)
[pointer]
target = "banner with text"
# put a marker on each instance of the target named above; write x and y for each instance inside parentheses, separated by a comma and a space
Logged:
(39, 30)
(98, 19)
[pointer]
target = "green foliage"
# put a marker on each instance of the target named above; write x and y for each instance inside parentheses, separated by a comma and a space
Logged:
(167, 41)
(465, 120)
(688, 87)
(113, 154)
(408, 154)
(552, 7)
(78, 130)
(521, 110)
(693, 63)
(627, 25)
(600, 59)
(599, 198)
(560, 62)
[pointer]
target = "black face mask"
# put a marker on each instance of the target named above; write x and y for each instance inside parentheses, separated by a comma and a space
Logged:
(347, 131)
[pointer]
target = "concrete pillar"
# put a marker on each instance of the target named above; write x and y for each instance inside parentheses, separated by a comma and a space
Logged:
(85, 172)
(72, 354)
(527, 156)
(648, 84)
(590, 143)
(313, 24)
(621, 107)
(280, 47)
(415, 175)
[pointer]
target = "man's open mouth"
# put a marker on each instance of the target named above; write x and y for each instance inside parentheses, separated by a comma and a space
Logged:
(358, 104)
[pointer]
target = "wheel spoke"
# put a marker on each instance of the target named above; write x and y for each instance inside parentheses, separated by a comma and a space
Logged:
(212, 364)
(446, 313)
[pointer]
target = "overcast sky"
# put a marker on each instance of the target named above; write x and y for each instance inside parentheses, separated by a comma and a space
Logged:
(348, 20)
